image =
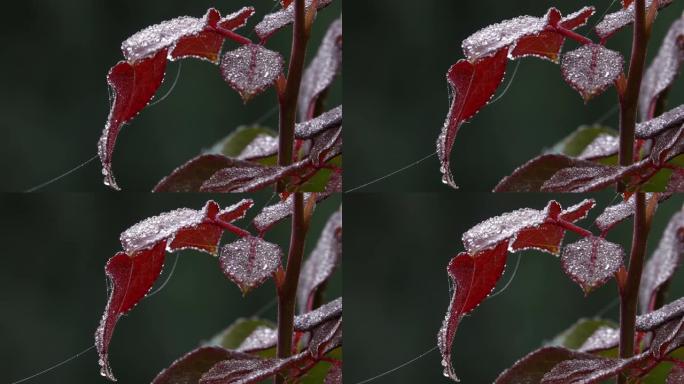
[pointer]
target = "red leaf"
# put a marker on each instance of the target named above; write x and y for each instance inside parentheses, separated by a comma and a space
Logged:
(596, 177)
(271, 215)
(531, 368)
(246, 371)
(326, 121)
(321, 72)
(613, 22)
(663, 71)
(325, 338)
(524, 228)
(655, 319)
(524, 35)
(133, 86)
(676, 375)
(260, 147)
(665, 260)
(334, 375)
(185, 36)
(547, 44)
(615, 214)
(251, 69)
(589, 370)
(591, 262)
(250, 261)
(190, 176)
(318, 316)
(273, 22)
(531, 176)
(321, 262)
(261, 338)
(190, 367)
(591, 69)
(602, 339)
(603, 145)
(474, 278)
(132, 278)
(135, 81)
(183, 228)
(473, 85)
(626, 3)
(654, 127)
(245, 179)
(667, 338)
(325, 147)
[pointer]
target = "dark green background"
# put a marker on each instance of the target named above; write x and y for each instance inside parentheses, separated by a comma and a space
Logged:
(397, 55)
(397, 290)
(54, 97)
(53, 292)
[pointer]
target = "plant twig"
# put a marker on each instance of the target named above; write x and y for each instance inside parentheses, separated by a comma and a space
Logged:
(630, 97)
(287, 292)
(629, 296)
(288, 100)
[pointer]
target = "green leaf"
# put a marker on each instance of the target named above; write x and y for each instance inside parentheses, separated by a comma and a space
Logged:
(318, 373)
(576, 142)
(236, 333)
(234, 143)
(577, 334)
(319, 180)
(658, 375)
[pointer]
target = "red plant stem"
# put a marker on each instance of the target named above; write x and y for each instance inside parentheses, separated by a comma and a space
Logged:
(288, 290)
(572, 227)
(572, 35)
(288, 100)
(630, 98)
(228, 34)
(232, 228)
(628, 297)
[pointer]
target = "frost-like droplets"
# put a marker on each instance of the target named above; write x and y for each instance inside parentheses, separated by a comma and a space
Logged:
(328, 120)
(322, 71)
(651, 128)
(262, 146)
(591, 261)
(591, 69)
(250, 261)
(492, 231)
(615, 21)
(490, 39)
(277, 20)
(665, 260)
(190, 367)
(261, 338)
(663, 70)
(321, 262)
(602, 339)
(604, 145)
(322, 314)
(251, 69)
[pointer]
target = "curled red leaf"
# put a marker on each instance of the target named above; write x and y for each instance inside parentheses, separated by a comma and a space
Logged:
(131, 277)
(190, 176)
(321, 263)
(273, 22)
(190, 367)
(321, 72)
(531, 368)
(472, 86)
(133, 87)
(613, 22)
(663, 70)
(473, 277)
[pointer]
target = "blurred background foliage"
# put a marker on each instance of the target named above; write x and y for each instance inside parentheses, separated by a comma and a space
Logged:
(398, 247)
(53, 291)
(54, 94)
(397, 57)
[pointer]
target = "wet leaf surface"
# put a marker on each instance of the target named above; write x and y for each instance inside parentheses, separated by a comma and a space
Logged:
(531, 368)
(321, 72)
(250, 261)
(251, 69)
(473, 278)
(131, 277)
(613, 22)
(662, 264)
(663, 70)
(531, 176)
(189, 368)
(328, 120)
(190, 176)
(273, 22)
(591, 69)
(321, 263)
(467, 100)
(591, 262)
